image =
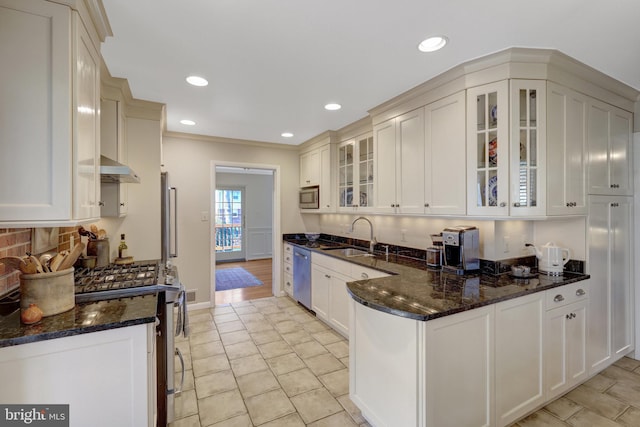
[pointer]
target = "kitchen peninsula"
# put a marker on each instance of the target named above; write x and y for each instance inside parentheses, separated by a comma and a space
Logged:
(410, 329)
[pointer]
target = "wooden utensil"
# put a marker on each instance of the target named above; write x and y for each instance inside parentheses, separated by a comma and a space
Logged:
(36, 261)
(29, 267)
(72, 257)
(13, 262)
(56, 260)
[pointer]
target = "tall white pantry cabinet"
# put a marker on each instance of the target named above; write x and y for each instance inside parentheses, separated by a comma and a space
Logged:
(49, 117)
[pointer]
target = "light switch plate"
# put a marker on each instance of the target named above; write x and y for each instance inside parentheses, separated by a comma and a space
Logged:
(204, 216)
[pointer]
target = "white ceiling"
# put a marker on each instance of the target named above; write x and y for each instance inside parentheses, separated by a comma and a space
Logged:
(273, 64)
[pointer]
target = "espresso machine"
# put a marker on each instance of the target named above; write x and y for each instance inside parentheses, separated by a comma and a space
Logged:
(461, 249)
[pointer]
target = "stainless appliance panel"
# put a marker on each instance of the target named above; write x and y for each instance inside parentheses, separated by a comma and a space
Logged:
(302, 276)
(309, 197)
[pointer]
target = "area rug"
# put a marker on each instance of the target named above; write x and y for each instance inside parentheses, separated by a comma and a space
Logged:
(234, 278)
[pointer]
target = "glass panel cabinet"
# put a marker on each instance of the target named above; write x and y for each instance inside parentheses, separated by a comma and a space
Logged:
(488, 162)
(528, 148)
(355, 173)
(506, 161)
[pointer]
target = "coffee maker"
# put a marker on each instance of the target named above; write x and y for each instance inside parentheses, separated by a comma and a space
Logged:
(461, 249)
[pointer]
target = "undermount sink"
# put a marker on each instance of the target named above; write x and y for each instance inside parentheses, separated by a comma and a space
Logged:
(350, 252)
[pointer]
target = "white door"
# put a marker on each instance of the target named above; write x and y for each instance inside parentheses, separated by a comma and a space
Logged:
(230, 224)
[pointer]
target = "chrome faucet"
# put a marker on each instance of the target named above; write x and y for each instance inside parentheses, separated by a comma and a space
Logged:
(372, 240)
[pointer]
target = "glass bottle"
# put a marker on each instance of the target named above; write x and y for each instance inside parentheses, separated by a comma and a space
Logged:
(122, 249)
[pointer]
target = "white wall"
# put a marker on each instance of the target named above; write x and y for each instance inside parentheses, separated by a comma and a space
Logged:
(188, 160)
(258, 210)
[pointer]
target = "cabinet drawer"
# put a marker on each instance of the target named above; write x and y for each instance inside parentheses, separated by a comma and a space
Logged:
(287, 267)
(287, 250)
(359, 272)
(568, 294)
(331, 263)
(287, 258)
(288, 283)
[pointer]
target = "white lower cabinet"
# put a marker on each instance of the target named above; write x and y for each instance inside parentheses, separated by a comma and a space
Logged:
(489, 366)
(89, 372)
(519, 358)
(287, 269)
(565, 338)
(611, 309)
(329, 295)
(459, 370)
(384, 373)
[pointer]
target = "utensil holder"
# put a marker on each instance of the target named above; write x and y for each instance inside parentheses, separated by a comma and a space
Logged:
(52, 292)
(99, 248)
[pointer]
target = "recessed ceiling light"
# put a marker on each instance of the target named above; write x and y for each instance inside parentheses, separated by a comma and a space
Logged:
(286, 134)
(187, 122)
(197, 81)
(432, 44)
(332, 106)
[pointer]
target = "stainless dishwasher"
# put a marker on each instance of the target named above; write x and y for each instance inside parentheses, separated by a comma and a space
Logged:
(302, 276)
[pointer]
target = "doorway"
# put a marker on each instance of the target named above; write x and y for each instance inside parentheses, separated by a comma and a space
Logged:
(229, 224)
(244, 206)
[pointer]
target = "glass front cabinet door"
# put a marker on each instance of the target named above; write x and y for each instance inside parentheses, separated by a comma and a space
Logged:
(528, 148)
(487, 149)
(355, 174)
(506, 149)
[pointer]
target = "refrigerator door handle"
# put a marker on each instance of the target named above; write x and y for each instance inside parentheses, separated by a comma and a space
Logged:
(175, 221)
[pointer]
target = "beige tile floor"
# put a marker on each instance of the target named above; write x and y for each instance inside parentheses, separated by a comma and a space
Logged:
(268, 362)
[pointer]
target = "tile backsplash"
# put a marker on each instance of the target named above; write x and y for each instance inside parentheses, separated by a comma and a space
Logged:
(17, 242)
(13, 242)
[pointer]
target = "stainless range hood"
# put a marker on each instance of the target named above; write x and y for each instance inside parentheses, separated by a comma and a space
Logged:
(114, 172)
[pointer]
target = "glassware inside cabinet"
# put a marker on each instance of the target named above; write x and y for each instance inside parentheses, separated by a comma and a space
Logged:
(487, 149)
(528, 161)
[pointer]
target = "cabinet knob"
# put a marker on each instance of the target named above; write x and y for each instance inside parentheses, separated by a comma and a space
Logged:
(426, 205)
(516, 205)
(571, 316)
(615, 186)
(327, 276)
(558, 298)
(121, 203)
(100, 203)
(615, 205)
(580, 292)
(503, 204)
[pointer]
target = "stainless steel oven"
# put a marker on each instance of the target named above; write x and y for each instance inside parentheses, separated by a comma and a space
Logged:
(309, 197)
(143, 278)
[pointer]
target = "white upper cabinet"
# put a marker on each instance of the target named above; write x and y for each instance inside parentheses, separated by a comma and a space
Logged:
(310, 168)
(50, 133)
(506, 149)
(488, 149)
(316, 168)
(610, 156)
(356, 174)
(399, 150)
(444, 152)
(528, 148)
(567, 115)
(113, 146)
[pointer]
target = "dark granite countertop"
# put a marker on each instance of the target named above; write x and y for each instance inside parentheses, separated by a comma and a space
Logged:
(83, 318)
(414, 291)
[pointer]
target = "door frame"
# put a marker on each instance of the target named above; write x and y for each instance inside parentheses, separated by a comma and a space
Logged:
(243, 243)
(276, 256)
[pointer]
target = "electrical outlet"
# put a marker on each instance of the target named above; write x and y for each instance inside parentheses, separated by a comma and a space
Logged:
(506, 244)
(403, 235)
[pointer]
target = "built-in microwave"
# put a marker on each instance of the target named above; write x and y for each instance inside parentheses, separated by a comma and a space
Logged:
(309, 197)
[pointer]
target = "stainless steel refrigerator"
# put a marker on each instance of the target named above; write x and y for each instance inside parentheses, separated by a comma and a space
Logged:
(168, 218)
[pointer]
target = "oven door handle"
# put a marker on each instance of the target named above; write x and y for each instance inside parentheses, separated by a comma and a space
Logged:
(177, 391)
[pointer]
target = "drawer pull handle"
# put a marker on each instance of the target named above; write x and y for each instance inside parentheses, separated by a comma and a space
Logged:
(364, 275)
(580, 292)
(558, 298)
